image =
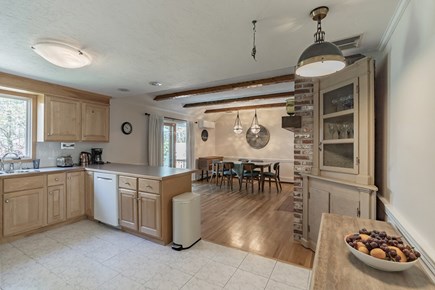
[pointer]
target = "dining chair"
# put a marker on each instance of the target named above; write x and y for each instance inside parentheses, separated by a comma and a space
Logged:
(228, 173)
(215, 170)
(249, 175)
(255, 161)
(275, 175)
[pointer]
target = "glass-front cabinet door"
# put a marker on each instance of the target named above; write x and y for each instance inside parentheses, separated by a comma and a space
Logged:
(339, 128)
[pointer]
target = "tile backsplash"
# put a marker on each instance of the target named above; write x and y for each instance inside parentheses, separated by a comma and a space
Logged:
(47, 152)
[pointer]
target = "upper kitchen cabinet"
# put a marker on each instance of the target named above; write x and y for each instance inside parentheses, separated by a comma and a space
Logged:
(61, 119)
(67, 119)
(95, 122)
(345, 124)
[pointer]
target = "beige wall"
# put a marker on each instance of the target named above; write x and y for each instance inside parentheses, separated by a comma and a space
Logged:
(405, 123)
(279, 148)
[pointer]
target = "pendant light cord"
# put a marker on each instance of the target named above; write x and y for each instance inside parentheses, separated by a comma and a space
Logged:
(254, 48)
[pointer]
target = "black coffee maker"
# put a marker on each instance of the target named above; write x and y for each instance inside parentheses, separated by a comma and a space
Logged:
(96, 155)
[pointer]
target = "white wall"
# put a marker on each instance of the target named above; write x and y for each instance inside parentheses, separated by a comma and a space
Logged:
(406, 122)
(279, 148)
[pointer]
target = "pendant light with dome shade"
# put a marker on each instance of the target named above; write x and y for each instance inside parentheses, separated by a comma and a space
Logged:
(255, 127)
(238, 129)
(321, 58)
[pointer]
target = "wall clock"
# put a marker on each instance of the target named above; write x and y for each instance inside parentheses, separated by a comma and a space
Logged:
(259, 140)
(204, 135)
(126, 128)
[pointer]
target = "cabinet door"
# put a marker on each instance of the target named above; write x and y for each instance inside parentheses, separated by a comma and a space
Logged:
(95, 122)
(75, 194)
(149, 214)
(339, 127)
(89, 194)
(318, 203)
(56, 204)
(345, 203)
(128, 208)
(23, 211)
(62, 119)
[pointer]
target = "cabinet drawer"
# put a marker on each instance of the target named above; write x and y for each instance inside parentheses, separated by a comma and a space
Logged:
(127, 182)
(148, 185)
(55, 179)
(23, 183)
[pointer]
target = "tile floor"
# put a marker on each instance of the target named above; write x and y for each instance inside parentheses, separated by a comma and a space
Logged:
(88, 255)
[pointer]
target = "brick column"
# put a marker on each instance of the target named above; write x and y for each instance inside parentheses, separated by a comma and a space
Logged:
(303, 147)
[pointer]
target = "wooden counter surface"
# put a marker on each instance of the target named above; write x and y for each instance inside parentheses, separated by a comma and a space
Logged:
(150, 172)
(335, 267)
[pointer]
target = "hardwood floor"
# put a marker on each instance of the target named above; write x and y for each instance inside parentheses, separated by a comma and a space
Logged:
(252, 222)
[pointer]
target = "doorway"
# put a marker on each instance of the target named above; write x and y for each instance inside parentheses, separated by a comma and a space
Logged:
(174, 143)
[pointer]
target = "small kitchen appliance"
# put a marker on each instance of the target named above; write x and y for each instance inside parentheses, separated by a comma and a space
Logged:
(96, 156)
(64, 161)
(85, 158)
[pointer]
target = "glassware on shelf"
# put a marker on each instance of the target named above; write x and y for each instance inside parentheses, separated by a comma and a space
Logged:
(346, 128)
(332, 128)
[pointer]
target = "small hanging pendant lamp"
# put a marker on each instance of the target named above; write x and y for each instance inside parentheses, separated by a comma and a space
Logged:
(255, 127)
(238, 129)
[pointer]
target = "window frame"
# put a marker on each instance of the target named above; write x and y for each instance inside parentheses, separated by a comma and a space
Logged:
(33, 120)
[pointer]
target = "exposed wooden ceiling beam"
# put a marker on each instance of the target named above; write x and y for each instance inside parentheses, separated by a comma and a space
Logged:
(245, 108)
(228, 87)
(244, 99)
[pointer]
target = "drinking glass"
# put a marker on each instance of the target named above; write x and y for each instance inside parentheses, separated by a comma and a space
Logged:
(346, 129)
(332, 130)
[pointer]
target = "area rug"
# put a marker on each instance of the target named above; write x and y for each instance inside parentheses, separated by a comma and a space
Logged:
(287, 204)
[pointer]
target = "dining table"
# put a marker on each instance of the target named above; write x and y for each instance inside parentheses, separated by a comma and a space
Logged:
(238, 169)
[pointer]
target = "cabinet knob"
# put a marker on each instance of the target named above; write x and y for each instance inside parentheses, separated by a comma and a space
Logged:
(127, 183)
(50, 193)
(7, 201)
(56, 179)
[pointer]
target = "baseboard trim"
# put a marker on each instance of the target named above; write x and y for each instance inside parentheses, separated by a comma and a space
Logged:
(395, 219)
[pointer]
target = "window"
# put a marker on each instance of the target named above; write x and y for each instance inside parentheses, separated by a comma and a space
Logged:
(174, 143)
(16, 131)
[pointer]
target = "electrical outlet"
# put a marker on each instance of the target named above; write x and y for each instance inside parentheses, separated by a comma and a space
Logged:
(67, 145)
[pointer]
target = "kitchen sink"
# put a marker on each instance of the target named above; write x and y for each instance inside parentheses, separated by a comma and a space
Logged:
(18, 171)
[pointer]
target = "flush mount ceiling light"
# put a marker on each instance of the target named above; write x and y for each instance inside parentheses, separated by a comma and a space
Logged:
(321, 58)
(156, 84)
(255, 127)
(61, 54)
(238, 129)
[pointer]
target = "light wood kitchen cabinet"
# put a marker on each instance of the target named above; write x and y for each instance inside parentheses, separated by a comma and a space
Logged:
(68, 119)
(60, 119)
(56, 204)
(128, 208)
(140, 205)
(75, 194)
(149, 214)
(95, 122)
(23, 204)
(23, 211)
(89, 194)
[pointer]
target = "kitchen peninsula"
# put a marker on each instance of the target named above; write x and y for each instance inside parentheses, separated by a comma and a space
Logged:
(54, 196)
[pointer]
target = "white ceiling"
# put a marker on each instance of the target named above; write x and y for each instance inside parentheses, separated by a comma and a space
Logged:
(184, 44)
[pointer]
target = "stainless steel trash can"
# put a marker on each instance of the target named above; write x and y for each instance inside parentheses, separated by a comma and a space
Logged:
(186, 220)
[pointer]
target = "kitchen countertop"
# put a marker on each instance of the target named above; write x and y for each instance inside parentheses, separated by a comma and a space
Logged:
(150, 172)
(335, 267)
(41, 170)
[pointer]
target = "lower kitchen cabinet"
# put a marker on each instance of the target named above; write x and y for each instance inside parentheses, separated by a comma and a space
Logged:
(140, 210)
(149, 214)
(326, 195)
(89, 194)
(55, 204)
(75, 194)
(23, 211)
(128, 209)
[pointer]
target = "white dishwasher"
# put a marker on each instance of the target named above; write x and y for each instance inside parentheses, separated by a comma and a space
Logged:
(106, 198)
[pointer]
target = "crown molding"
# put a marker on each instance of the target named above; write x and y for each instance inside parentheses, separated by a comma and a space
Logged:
(403, 4)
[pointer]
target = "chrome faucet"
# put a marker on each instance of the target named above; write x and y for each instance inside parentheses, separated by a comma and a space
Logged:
(11, 165)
